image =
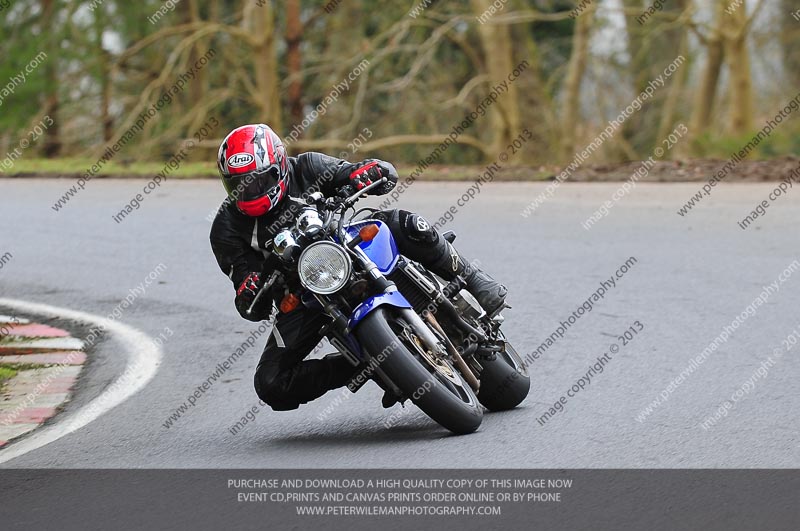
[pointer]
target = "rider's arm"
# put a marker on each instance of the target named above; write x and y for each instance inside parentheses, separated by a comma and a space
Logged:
(332, 174)
(234, 255)
(241, 263)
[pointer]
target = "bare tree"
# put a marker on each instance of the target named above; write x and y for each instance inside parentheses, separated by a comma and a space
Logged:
(735, 33)
(572, 82)
(652, 45)
(706, 93)
(259, 21)
(499, 60)
(790, 40)
(52, 139)
(294, 60)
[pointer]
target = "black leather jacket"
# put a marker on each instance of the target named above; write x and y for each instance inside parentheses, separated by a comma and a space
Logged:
(240, 242)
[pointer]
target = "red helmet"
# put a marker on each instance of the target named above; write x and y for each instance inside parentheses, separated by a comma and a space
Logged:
(254, 168)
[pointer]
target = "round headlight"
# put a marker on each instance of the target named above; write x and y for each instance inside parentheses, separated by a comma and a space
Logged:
(324, 268)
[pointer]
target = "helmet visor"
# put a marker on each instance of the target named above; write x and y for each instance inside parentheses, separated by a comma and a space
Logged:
(252, 185)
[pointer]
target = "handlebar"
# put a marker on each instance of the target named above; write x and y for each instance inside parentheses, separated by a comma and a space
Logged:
(330, 206)
(350, 201)
(336, 203)
(268, 284)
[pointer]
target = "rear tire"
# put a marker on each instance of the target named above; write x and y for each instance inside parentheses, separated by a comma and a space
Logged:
(504, 381)
(460, 413)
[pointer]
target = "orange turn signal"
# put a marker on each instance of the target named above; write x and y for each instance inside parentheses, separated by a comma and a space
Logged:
(289, 303)
(369, 232)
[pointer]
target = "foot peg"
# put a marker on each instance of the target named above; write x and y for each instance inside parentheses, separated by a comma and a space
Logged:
(499, 309)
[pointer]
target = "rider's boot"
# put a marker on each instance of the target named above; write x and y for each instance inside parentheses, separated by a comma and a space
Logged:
(489, 293)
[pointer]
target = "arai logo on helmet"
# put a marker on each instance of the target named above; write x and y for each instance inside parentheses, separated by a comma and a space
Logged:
(240, 159)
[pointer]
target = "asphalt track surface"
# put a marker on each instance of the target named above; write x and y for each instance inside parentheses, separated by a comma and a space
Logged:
(693, 276)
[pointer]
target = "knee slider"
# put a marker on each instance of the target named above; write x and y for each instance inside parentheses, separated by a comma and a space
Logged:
(270, 390)
(417, 228)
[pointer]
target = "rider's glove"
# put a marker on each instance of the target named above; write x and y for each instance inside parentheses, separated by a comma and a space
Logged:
(246, 294)
(371, 171)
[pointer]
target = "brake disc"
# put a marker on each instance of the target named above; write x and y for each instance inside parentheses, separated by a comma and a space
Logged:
(434, 360)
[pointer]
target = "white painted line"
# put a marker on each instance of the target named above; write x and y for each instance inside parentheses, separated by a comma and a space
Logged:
(49, 343)
(144, 357)
(6, 319)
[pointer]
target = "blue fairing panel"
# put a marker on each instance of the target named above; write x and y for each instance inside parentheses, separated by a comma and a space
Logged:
(382, 250)
(393, 298)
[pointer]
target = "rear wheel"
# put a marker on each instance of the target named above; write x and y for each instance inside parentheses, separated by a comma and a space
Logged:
(429, 381)
(504, 380)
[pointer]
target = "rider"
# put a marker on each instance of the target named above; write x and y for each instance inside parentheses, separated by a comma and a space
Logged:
(259, 176)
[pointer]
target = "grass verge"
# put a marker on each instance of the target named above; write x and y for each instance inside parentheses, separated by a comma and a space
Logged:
(76, 167)
(6, 373)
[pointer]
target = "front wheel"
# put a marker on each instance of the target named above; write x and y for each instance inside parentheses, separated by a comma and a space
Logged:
(436, 388)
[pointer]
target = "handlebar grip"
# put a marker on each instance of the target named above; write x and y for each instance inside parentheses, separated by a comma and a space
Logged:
(350, 201)
(265, 288)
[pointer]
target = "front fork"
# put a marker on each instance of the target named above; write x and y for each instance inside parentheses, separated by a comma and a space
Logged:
(339, 330)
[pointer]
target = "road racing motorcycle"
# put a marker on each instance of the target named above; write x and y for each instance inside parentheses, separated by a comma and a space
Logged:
(415, 335)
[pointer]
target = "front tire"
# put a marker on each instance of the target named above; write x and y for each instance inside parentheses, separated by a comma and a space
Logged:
(453, 406)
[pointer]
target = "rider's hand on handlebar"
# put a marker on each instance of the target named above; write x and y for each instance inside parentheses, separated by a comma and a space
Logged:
(246, 294)
(369, 173)
(343, 193)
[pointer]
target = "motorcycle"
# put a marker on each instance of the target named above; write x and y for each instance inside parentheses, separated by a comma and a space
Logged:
(398, 324)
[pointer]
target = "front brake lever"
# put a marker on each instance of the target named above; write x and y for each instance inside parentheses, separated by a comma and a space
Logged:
(350, 201)
(263, 290)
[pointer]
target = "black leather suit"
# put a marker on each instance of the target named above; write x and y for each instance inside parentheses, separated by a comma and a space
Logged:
(283, 379)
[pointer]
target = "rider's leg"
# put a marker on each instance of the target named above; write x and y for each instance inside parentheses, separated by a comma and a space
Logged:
(283, 380)
(420, 242)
